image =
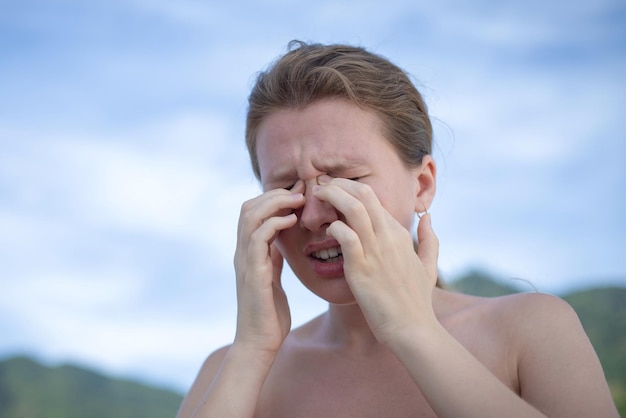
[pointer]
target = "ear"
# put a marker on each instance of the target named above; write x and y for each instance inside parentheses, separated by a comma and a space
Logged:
(425, 176)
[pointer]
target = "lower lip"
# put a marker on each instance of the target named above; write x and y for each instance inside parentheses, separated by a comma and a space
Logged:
(327, 270)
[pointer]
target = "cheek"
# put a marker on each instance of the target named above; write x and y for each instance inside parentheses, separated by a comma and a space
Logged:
(403, 214)
(401, 204)
(286, 242)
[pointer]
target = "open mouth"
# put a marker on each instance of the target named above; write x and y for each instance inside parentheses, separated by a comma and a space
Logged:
(328, 255)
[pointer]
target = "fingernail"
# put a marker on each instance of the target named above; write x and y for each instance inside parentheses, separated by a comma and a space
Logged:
(324, 179)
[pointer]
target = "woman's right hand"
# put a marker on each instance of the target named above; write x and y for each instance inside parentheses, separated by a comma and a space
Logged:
(263, 318)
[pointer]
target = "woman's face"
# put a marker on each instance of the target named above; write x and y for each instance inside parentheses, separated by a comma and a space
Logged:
(336, 138)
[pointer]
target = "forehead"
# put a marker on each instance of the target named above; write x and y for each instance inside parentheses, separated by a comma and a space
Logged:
(325, 136)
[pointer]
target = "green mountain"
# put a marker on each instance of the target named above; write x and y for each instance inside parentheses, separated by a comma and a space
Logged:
(602, 312)
(31, 390)
(479, 283)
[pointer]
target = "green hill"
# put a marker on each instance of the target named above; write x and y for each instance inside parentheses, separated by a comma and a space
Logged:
(478, 283)
(30, 390)
(602, 312)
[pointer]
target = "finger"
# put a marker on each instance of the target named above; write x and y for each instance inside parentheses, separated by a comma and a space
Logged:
(277, 263)
(254, 212)
(351, 246)
(298, 187)
(262, 237)
(271, 203)
(265, 234)
(354, 210)
(360, 191)
(378, 215)
(428, 245)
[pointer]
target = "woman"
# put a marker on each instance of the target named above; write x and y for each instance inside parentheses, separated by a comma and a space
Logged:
(341, 141)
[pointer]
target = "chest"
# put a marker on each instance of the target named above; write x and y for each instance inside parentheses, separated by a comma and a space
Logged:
(317, 382)
(326, 385)
(335, 386)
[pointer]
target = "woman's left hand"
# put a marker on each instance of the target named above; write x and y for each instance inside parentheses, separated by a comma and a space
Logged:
(391, 283)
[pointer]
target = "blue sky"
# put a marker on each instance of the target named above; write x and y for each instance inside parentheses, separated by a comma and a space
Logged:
(122, 164)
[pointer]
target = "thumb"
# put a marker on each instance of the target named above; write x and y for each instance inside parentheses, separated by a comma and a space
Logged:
(428, 245)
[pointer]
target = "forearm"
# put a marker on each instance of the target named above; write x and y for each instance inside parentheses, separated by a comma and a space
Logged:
(453, 381)
(235, 389)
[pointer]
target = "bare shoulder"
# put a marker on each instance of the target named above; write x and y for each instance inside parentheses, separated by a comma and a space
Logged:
(558, 369)
(525, 307)
(203, 380)
(531, 322)
(508, 307)
(213, 362)
(537, 302)
(545, 326)
(534, 309)
(520, 323)
(535, 316)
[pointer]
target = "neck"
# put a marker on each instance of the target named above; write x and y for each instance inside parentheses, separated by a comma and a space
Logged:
(346, 327)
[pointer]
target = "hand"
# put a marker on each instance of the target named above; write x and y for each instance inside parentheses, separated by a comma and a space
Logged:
(392, 284)
(263, 318)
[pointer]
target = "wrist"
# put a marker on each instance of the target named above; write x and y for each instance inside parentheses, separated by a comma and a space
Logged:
(408, 339)
(249, 355)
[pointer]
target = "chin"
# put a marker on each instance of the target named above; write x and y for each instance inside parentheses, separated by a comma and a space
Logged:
(334, 291)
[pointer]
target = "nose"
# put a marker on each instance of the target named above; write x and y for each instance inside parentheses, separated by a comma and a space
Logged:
(316, 214)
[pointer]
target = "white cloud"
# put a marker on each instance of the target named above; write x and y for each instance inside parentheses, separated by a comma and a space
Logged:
(68, 292)
(91, 317)
(166, 181)
(176, 179)
(118, 223)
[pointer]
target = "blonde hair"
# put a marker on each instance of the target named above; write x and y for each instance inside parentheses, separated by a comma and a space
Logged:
(310, 72)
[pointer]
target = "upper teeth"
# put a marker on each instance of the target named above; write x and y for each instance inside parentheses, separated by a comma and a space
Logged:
(329, 253)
